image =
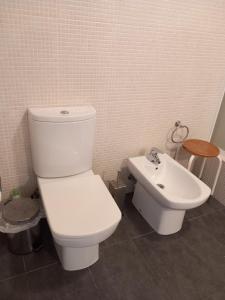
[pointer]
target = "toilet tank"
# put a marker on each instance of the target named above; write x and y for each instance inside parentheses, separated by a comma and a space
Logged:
(62, 140)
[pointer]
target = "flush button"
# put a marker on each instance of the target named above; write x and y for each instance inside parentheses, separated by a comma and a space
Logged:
(64, 112)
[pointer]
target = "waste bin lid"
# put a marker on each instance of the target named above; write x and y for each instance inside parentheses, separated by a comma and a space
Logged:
(20, 211)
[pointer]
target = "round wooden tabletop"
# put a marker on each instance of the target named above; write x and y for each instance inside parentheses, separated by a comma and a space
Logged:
(201, 148)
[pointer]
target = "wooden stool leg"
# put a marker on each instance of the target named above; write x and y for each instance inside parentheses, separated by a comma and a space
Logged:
(202, 167)
(191, 162)
(217, 174)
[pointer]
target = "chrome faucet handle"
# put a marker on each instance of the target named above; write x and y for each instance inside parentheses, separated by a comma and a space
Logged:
(153, 157)
(155, 150)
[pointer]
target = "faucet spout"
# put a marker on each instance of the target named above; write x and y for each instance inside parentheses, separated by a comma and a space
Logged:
(153, 157)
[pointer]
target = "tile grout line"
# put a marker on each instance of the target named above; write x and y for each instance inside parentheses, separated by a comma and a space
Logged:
(13, 277)
(93, 279)
(27, 272)
(203, 215)
(31, 271)
(129, 239)
(116, 243)
(28, 288)
(43, 267)
(143, 234)
(24, 264)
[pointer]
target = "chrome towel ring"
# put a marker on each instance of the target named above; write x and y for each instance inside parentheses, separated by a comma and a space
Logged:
(178, 126)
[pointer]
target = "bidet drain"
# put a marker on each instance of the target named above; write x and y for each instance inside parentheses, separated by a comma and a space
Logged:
(162, 186)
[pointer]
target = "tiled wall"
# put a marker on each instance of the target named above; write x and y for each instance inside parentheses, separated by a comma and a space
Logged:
(142, 64)
(218, 136)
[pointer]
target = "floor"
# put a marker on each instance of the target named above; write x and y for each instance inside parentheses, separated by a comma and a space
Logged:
(135, 263)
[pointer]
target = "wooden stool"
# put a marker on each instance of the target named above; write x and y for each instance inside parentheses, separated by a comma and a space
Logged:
(200, 148)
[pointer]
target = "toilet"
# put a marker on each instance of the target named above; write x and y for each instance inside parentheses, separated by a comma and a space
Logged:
(80, 210)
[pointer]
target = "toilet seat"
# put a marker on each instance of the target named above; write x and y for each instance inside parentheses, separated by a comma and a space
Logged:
(79, 209)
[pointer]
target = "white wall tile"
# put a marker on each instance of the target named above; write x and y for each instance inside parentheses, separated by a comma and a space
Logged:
(142, 64)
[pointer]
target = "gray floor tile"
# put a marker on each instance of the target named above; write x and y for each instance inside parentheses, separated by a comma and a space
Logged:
(214, 224)
(138, 224)
(42, 258)
(217, 295)
(177, 268)
(135, 263)
(197, 236)
(121, 234)
(131, 225)
(210, 206)
(55, 283)
(11, 264)
(121, 274)
(14, 289)
(47, 255)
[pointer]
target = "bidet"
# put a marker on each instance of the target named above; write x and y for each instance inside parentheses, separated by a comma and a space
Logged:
(164, 192)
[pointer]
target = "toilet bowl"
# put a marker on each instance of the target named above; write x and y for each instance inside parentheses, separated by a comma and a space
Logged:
(165, 191)
(80, 210)
(81, 213)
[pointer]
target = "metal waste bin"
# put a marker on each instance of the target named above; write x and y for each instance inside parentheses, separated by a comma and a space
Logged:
(24, 242)
(19, 212)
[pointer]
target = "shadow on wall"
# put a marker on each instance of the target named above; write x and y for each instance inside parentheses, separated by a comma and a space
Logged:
(20, 155)
(209, 175)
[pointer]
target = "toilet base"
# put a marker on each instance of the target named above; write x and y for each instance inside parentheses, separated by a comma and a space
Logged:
(77, 258)
(162, 219)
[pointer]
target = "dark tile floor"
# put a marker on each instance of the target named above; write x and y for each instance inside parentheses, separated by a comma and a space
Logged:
(135, 263)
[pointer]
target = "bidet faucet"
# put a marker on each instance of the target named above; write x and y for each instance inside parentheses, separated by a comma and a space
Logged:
(153, 156)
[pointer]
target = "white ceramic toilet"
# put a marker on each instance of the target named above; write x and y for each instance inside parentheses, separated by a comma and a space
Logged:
(80, 210)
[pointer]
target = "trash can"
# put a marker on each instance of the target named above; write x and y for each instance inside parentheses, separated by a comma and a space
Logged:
(24, 242)
(21, 212)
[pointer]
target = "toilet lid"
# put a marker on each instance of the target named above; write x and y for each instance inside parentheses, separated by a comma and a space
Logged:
(78, 206)
(20, 211)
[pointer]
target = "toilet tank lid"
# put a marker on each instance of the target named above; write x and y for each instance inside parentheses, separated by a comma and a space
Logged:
(62, 113)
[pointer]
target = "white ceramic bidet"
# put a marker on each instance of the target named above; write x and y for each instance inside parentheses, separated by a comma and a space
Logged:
(165, 191)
